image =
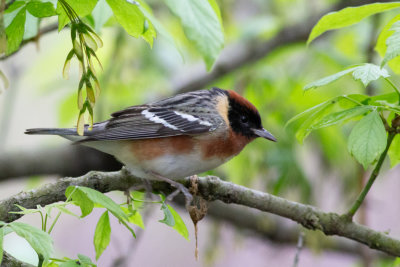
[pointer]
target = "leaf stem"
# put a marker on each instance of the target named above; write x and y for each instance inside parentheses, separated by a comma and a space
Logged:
(54, 222)
(45, 222)
(41, 218)
(394, 87)
(146, 201)
(59, 213)
(371, 179)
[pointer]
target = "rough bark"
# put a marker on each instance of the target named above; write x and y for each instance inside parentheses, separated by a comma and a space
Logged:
(211, 188)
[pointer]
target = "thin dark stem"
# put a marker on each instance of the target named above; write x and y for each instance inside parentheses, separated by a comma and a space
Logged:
(43, 31)
(371, 179)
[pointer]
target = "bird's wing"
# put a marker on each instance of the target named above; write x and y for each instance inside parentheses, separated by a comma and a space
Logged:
(152, 121)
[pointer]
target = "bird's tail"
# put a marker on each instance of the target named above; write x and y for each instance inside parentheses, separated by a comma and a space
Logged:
(52, 131)
(68, 133)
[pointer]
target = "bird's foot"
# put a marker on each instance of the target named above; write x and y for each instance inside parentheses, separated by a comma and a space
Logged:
(180, 188)
(145, 186)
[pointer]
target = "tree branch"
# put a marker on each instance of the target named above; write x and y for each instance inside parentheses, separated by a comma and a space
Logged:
(211, 188)
(10, 261)
(78, 160)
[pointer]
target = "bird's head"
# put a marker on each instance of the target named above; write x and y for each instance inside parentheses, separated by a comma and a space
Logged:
(244, 118)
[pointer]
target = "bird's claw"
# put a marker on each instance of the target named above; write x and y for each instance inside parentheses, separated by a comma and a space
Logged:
(179, 188)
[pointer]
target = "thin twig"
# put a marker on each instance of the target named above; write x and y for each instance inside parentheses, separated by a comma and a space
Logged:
(43, 31)
(300, 242)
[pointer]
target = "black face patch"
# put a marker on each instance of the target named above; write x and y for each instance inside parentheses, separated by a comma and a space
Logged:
(243, 119)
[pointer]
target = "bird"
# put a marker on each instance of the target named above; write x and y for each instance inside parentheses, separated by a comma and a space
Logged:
(176, 137)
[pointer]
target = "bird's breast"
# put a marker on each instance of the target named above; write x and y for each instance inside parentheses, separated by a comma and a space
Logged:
(178, 156)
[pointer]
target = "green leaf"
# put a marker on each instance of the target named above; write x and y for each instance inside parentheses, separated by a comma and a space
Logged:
(309, 117)
(149, 31)
(368, 73)
(67, 211)
(201, 25)
(82, 8)
(51, 264)
(71, 263)
(101, 14)
(102, 234)
(381, 44)
(392, 44)
(168, 217)
(15, 31)
(1, 243)
(306, 113)
(394, 151)
(129, 16)
(16, 5)
(81, 199)
(7, 230)
(138, 199)
(341, 116)
(161, 29)
(85, 260)
(216, 9)
(348, 16)
(31, 26)
(179, 226)
(39, 240)
(41, 9)
(367, 140)
(306, 127)
(96, 197)
(134, 217)
(327, 80)
(385, 33)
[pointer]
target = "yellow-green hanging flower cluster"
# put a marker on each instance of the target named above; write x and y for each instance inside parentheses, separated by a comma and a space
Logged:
(85, 42)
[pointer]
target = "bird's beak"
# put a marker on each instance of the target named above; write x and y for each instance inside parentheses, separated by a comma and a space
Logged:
(264, 134)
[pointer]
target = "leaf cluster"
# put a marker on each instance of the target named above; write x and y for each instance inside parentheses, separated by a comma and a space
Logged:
(376, 114)
(86, 199)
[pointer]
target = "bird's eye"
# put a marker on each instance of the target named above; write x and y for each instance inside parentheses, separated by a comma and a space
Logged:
(244, 119)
